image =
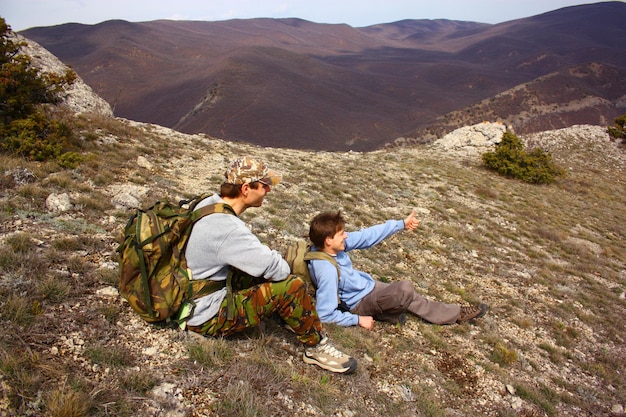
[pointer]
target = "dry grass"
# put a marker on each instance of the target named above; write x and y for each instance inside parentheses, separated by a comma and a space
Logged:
(548, 259)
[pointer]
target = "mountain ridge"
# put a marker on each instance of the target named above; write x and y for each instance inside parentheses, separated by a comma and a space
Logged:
(294, 83)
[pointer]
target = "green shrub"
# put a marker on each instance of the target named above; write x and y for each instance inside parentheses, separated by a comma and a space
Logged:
(618, 130)
(69, 160)
(34, 137)
(503, 355)
(25, 127)
(511, 159)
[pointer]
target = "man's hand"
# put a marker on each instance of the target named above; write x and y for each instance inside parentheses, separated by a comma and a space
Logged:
(367, 322)
(411, 223)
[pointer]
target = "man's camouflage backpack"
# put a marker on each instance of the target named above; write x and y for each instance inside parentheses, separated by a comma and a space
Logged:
(154, 277)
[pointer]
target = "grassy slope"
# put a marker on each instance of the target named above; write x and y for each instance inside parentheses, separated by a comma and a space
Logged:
(548, 259)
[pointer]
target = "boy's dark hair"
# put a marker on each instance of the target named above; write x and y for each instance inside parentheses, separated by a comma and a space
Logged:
(325, 225)
(234, 190)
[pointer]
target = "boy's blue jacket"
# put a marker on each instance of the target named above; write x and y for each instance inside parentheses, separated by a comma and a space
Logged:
(353, 285)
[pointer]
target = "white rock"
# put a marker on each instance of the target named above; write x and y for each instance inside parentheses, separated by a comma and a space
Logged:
(80, 97)
(617, 409)
(125, 200)
(473, 139)
(143, 162)
(163, 391)
(58, 203)
(151, 351)
(516, 403)
(108, 292)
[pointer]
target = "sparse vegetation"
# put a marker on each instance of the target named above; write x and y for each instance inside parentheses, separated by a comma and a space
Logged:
(53, 265)
(210, 352)
(548, 260)
(68, 403)
(503, 355)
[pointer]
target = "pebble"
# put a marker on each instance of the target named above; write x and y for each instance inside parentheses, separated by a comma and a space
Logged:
(516, 403)
(108, 292)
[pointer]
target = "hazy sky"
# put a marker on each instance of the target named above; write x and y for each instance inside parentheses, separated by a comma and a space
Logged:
(24, 14)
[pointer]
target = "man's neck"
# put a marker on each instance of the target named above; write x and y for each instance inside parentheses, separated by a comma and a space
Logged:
(236, 203)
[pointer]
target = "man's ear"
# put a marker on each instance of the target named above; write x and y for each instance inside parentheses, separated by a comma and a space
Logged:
(245, 187)
(326, 242)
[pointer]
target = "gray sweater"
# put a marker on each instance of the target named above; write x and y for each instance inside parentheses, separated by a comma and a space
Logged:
(221, 240)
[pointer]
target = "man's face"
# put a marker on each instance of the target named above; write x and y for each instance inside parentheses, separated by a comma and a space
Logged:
(254, 196)
(337, 242)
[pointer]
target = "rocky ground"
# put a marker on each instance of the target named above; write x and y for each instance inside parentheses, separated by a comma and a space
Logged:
(547, 259)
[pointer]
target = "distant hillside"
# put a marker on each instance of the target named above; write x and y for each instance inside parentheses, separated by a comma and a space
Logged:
(587, 94)
(294, 83)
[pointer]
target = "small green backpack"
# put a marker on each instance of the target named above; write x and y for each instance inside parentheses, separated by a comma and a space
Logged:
(154, 277)
(298, 255)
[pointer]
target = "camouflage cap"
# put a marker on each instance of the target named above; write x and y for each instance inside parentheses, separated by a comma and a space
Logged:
(247, 170)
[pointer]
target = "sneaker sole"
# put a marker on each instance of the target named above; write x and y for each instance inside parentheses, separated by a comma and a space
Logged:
(352, 365)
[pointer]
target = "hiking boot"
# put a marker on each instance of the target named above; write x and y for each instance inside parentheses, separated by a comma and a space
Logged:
(472, 312)
(326, 356)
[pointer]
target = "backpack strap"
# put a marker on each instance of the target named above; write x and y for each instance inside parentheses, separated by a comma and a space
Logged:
(210, 209)
(201, 287)
(323, 256)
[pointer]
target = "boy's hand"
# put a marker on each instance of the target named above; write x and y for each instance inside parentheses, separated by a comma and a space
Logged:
(411, 223)
(367, 322)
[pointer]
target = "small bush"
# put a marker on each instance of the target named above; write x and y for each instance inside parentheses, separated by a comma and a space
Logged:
(511, 159)
(618, 130)
(139, 381)
(35, 137)
(210, 353)
(20, 243)
(109, 355)
(502, 355)
(69, 160)
(22, 379)
(542, 396)
(18, 310)
(54, 289)
(68, 403)
(26, 129)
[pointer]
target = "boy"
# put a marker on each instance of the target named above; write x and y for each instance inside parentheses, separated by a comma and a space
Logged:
(367, 299)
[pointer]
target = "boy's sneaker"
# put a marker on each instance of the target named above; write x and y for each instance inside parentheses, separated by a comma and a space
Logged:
(326, 356)
(472, 312)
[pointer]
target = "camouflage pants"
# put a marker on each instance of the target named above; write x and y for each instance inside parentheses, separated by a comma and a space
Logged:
(289, 298)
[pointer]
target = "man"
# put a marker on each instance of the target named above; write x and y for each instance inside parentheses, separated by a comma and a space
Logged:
(222, 248)
(367, 299)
